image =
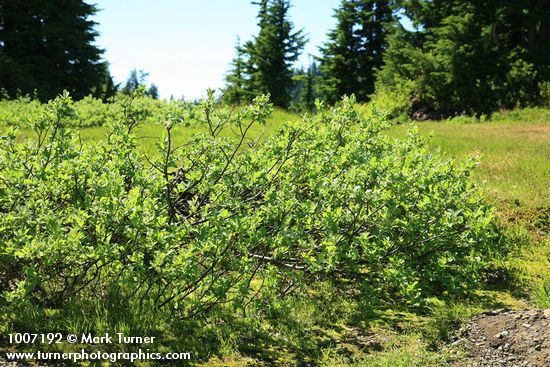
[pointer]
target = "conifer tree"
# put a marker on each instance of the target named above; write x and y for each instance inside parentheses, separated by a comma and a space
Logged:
(304, 93)
(135, 79)
(48, 46)
(309, 93)
(153, 91)
(469, 56)
(235, 91)
(270, 55)
(354, 49)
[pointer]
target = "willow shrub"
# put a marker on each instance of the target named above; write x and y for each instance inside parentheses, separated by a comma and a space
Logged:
(229, 220)
(88, 112)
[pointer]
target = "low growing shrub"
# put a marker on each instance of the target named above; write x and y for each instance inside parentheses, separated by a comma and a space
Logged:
(230, 221)
(89, 111)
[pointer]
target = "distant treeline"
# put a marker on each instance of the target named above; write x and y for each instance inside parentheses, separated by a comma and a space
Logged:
(462, 57)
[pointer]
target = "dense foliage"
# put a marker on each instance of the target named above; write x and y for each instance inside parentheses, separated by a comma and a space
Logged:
(88, 111)
(48, 46)
(460, 57)
(237, 85)
(468, 57)
(213, 222)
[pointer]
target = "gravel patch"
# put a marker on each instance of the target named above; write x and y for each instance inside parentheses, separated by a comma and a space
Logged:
(506, 338)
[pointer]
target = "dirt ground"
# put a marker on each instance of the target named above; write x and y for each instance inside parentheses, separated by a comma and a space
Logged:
(505, 338)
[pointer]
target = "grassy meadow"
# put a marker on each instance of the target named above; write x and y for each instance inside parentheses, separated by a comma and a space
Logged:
(513, 149)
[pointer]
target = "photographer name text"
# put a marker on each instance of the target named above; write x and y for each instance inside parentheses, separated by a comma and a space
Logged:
(84, 338)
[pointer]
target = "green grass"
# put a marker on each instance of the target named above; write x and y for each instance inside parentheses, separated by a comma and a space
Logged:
(149, 133)
(514, 153)
(541, 292)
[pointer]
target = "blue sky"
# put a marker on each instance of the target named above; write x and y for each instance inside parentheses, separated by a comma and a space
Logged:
(186, 45)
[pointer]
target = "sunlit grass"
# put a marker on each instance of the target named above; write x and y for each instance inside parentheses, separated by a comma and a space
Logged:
(514, 155)
(149, 134)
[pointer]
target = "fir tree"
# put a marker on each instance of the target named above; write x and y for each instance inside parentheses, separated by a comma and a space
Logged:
(469, 56)
(153, 92)
(48, 46)
(135, 79)
(235, 91)
(270, 55)
(354, 49)
(304, 92)
(309, 93)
